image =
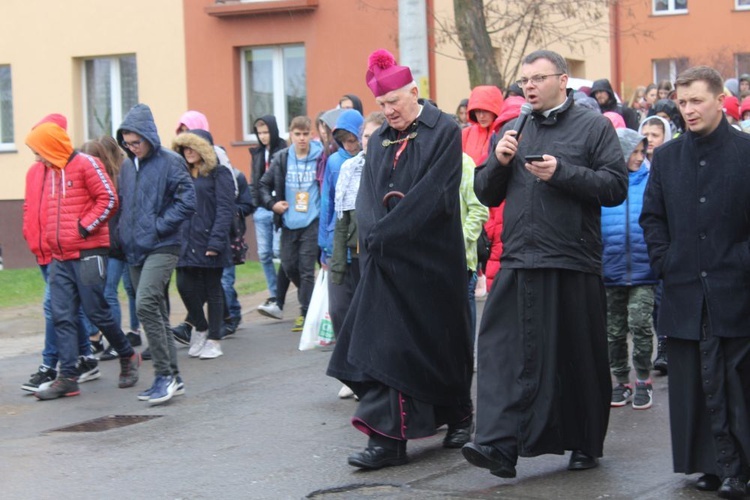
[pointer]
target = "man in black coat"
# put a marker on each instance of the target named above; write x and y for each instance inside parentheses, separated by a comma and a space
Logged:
(404, 347)
(543, 381)
(696, 221)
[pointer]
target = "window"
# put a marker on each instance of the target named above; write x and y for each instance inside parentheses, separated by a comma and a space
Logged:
(668, 69)
(742, 64)
(671, 6)
(274, 82)
(6, 110)
(742, 4)
(110, 89)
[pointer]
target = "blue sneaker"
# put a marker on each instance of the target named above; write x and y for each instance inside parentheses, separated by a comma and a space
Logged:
(146, 395)
(179, 386)
(163, 390)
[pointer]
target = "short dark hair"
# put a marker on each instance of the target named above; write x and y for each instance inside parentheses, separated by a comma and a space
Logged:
(551, 56)
(703, 74)
(300, 123)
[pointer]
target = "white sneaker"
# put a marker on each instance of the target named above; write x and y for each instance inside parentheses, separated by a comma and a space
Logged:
(271, 309)
(197, 341)
(211, 350)
(345, 392)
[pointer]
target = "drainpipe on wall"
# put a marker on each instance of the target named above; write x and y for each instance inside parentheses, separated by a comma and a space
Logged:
(615, 50)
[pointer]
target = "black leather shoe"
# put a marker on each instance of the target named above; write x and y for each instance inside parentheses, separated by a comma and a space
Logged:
(456, 436)
(146, 354)
(377, 457)
(733, 487)
(580, 461)
(489, 457)
(708, 482)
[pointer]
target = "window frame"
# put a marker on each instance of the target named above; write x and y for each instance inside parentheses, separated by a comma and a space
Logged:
(115, 101)
(673, 70)
(280, 110)
(9, 146)
(671, 9)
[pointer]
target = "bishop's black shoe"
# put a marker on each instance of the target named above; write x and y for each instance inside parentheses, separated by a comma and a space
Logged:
(489, 457)
(377, 457)
(733, 487)
(580, 461)
(458, 435)
(708, 482)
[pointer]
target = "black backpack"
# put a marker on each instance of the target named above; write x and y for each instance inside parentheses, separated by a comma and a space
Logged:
(484, 248)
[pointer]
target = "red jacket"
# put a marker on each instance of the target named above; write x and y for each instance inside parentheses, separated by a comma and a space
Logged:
(35, 215)
(475, 139)
(494, 228)
(81, 193)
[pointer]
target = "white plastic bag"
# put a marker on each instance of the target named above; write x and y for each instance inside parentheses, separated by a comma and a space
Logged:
(318, 329)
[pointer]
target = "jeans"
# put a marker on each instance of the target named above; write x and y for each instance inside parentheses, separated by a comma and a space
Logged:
(76, 283)
(299, 252)
(114, 273)
(473, 308)
(232, 308)
(135, 325)
(264, 236)
(198, 286)
(150, 282)
(50, 354)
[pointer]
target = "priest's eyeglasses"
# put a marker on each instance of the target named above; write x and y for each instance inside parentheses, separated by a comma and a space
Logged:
(536, 79)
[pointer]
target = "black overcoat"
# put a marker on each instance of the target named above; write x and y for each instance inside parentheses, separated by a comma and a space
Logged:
(408, 324)
(696, 221)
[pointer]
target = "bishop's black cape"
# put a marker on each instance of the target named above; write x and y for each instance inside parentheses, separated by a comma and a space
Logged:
(408, 324)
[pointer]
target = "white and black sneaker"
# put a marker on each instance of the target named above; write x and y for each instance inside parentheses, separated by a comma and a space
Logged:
(41, 380)
(108, 354)
(271, 309)
(88, 369)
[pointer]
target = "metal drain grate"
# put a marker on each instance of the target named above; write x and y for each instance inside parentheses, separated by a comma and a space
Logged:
(106, 423)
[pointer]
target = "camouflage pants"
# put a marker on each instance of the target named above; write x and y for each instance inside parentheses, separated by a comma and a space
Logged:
(629, 310)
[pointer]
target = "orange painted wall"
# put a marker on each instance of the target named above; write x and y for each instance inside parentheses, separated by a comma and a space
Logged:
(338, 36)
(710, 33)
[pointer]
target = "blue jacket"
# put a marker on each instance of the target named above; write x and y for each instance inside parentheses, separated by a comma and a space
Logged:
(625, 256)
(351, 121)
(156, 198)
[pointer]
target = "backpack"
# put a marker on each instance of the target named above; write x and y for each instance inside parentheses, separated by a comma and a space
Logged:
(484, 248)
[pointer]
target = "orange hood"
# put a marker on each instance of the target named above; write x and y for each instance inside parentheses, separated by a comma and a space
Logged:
(51, 142)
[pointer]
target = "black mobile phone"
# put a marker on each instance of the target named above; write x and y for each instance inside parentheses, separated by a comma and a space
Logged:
(530, 158)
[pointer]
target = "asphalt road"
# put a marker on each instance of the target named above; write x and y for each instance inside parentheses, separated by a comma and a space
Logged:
(264, 422)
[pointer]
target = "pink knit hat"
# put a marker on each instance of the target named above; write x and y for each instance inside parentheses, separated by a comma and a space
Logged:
(732, 107)
(384, 75)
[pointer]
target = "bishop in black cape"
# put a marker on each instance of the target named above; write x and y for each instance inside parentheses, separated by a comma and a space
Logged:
(405, 345)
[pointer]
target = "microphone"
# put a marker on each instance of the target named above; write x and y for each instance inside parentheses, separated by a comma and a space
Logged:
(521, 121)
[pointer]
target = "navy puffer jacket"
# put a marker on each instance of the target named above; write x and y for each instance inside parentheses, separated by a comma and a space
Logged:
(155, 198)
(208, 228)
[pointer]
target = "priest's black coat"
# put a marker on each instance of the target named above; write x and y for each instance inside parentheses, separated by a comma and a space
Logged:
(408, 324)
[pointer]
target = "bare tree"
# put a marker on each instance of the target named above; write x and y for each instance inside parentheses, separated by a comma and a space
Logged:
(494, 35)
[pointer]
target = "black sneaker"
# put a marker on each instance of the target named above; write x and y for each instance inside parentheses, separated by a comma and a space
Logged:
(134, 338)
(146, 354)
(621, 394)
(97, 346)
(660, 363)
(182, 333)
(643, 398)
(39, 381)
(61, 388)
(230, 325)
(108, 354)
(88, 369)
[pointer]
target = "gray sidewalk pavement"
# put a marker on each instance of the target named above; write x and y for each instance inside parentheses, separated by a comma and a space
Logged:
(264, 422)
